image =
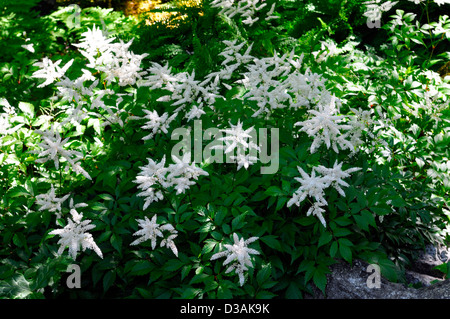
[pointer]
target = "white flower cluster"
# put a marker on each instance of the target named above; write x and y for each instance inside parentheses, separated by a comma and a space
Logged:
(50, 71)
(179, 175)
(151, 230)
(53, 148)
(239, 254)
(5, 125)
(244, 8)
(438, 2)
(74, 235)
(242, 141)
(50, 202)
(273, 82)
(375, 8)
(325, 126)
(314, 186)
(113, 59)
(185, 90)
(155, 122)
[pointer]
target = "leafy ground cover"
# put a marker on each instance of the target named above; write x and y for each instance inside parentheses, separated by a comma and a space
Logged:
(231, 150)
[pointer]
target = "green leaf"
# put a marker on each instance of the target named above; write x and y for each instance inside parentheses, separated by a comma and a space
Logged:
(380, 211)
(333, 249)
(190, 293)
(199, 278)
(16, 288)
(116, 242)
(263, 274)
(185, 271)
(27, 108)
(109, 279)
(145, 293)
(238, 222)
(274, 191)
(324, 239)
(18, 191)
(209, 246)
(341, 232)
(264, 294)
(220, 215)
(271, 241)
(173, 265)
(142, 268)
(345, 251)
(224, 293)
(320, 279)
(19, 240)
(364, 219)
(293, 291)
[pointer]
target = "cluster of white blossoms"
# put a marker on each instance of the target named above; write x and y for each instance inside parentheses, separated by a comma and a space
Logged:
(8, 111)
(151, 230)
(74, 235)
(270, 83)
(155, 123)
(314, 187)
(185, 90)
(326, 127)
(273, 82)
(50, 71)
(375, 8)
(50, 202)
(53, 149)
(115, 60)
(247, 9)
(240, 142)
(179, 175)
(238, 255)
(438, 2)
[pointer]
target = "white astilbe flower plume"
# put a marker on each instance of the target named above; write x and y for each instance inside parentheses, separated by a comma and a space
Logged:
(159, 77)
(74, 235)
(114, 60)
(178, 175)
(239, 140)
(151, 230)
(50, 202)
(336, 175)
(239, 254)
(155, 123)
(237, 137)
(314, 187)
(317, 210)
(244, 8)
(94, 41)
(50, 71)
(53, 147)
(326, 128)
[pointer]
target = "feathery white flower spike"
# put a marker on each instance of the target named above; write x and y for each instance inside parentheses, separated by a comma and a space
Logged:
(312, 186)
(53, 147)
(74, 235)
(239, 254)
(50, 71)
(336, 175)
(50, 202)
(151, 230)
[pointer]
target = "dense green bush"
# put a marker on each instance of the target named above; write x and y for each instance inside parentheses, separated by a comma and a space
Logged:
(358, 138)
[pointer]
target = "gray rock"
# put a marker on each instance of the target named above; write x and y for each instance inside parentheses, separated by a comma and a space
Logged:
(351, 282)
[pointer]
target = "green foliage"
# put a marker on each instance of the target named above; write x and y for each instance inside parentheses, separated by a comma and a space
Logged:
(393, 206)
